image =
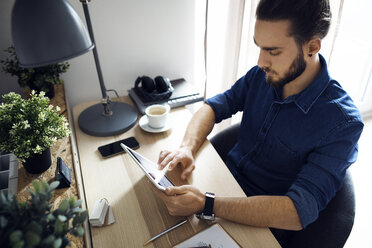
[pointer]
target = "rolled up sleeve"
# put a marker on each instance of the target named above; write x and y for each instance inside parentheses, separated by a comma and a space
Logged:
(323, 174)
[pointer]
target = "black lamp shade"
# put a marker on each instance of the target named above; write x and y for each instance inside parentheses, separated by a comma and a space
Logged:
(47, 32)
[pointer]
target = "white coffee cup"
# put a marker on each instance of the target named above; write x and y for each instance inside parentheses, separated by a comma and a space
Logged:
(157, 115)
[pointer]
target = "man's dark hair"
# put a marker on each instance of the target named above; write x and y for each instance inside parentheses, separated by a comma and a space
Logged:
(309, 18)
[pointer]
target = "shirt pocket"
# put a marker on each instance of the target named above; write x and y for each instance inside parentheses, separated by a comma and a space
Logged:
(280, 159)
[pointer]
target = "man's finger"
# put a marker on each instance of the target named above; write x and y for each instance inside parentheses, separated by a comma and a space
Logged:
(169, 157)
(172, 160)
(172, 164)
(162, 155)
(176, 190)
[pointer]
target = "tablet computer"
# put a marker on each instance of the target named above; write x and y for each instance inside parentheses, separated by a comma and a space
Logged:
(157, 177)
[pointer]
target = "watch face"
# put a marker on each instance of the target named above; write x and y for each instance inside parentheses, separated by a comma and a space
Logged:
(205, 217)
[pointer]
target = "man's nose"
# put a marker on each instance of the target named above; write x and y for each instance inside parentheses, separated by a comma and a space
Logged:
(263, 60)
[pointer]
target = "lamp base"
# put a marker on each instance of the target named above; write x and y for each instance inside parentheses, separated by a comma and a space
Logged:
(93, 122)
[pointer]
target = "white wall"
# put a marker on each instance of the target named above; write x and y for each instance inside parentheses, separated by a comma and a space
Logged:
(133, 37)
(7, 82)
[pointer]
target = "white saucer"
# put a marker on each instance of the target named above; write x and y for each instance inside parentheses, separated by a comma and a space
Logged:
(144, 124)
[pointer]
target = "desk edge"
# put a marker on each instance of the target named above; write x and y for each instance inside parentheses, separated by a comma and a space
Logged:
(79, 179)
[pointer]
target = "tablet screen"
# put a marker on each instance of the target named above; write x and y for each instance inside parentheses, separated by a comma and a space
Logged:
(158, 177)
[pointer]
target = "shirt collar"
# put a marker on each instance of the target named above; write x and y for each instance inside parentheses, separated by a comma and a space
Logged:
(306, 98)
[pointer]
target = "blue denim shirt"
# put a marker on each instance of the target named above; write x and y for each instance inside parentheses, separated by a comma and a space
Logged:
(300, 146)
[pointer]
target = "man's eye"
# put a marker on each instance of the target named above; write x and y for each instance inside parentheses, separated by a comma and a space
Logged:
(275, 53)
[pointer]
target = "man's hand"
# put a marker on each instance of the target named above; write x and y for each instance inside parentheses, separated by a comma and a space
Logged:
(198, 129)
(181, 156)
(183, 200)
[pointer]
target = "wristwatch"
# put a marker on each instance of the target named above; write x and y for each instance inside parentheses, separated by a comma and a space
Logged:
(207, 213)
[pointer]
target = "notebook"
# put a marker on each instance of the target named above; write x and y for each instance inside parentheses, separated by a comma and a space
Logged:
(213, 236)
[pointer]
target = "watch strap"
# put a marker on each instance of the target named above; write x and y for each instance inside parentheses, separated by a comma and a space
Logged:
(209, 203)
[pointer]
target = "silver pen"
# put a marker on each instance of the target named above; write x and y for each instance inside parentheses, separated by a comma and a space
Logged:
(164, 232)
(205, 246)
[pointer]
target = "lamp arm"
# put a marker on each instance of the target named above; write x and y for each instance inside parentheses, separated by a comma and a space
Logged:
(105, 99)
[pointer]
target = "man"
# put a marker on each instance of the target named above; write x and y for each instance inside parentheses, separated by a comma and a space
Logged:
(298, 133)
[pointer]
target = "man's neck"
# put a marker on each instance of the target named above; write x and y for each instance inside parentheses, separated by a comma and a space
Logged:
(313, 68)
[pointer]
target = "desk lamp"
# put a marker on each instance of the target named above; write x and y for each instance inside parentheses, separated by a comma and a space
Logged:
(50, 31)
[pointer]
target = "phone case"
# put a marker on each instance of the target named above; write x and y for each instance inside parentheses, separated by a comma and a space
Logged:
(63, 174)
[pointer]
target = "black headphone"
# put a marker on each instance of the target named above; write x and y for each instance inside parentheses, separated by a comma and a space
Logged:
(155, 89)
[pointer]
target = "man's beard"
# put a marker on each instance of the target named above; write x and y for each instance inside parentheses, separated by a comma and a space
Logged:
(296, 69)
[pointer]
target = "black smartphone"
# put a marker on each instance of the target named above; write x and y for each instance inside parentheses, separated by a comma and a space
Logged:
(115, 148)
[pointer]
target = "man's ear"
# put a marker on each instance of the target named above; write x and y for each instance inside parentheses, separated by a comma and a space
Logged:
(312, 46)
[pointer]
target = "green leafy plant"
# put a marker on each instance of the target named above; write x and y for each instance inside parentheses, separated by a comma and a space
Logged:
(35, 224)
(29, 126)
(38, 78)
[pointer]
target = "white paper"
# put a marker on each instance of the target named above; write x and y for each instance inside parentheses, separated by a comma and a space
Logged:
(214, 235)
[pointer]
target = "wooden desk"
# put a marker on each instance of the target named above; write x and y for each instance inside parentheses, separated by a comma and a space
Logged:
(139, 213)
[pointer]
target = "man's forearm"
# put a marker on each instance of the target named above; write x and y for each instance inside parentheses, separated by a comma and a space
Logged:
(260, 211)
(198, 129)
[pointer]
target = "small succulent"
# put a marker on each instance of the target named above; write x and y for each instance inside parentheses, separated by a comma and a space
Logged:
(36, 78)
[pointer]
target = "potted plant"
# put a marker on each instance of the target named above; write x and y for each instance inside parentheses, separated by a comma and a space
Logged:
(29, 127)
(35, 224)
(39, 79)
